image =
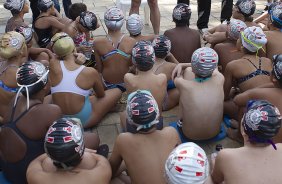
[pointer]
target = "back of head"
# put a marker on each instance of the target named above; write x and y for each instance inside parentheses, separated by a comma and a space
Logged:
(44, 5)
(275, 14)
(181, 14)
(162, 46)
(143, 55)
(114, 18)
(88, 20)
(15, 6)
(64, 143)
(11, 44)
(234, 28)
(261, 122)
(142, 110)
(134, 24)
(62, 44)
(204, 61)
(253, 38)
(277, 67)
(187, 164)
(75, 9)
(246, 7)
(33, 76)
(26, 31)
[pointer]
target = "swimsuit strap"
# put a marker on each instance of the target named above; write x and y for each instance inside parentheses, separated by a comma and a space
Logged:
(40, 17)
(251, 62)
(159, 66)
(259, 64)
(7, 68)
(120, 41)
(110, 40)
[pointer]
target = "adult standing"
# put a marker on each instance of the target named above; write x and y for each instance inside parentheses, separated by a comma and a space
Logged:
(204, 10)
(154, 12)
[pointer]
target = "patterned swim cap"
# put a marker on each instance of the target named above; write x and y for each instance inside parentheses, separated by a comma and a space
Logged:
(44, 5)
(26, 31)
(142, 109)
(143, 55)
(262, 121)
(234, 28)
(275, 15)
(246, 7)
(277, 67)
(11, 44)
(134, 24)
(204, 61)
(253, 38)
(114, 18)
(162, 46)
(62, 44)
(64, 143)
(181, 13)
(88, 20)
(15, 6)
(187, 164)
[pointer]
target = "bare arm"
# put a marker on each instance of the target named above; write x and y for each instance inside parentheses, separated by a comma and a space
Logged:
(242, 99)
(261, 17)
(228, 80)
(55, 23)
(98, 85)
(215, 38)
(217, 171)
(116, 158)
(170, 58)
(99, 64)
(35, 170)
(178, 70)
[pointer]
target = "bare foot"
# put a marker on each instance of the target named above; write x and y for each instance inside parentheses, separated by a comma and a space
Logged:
(235, 135)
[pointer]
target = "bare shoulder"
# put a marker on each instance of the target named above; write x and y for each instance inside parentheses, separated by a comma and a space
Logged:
(89, 71)
(128, 77)
(168, 32)
(162, 77)
(232, 65)
(35, 173)
(195, 32)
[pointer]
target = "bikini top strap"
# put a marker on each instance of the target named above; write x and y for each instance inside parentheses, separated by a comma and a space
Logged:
(7, 68)
(120, 41)
(259, 63)
(251, 63)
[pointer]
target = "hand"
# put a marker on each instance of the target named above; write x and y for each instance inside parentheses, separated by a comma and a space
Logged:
(85, 48)
(80, 58)
(177, 72)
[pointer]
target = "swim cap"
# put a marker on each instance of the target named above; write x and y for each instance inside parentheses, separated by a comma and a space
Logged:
(15, 6)
(114, 18)
(26, 31)
(62, 44)
(11, 44)
(253, 38)
(275, 15)
(234, 28)
(246, 7)
(88, 20)
(277, 67)
(143, 55)
(187, 164)
(262, 121)
(134, 24)
(204, 61)
(162, 46)
(142, 110)
(181, 13)
(64, 143)
(44, 5)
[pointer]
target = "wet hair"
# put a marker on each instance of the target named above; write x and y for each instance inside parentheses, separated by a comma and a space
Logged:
(181, 14)
(64, 143)
(30, 73)
(261, 122)
(75, 9)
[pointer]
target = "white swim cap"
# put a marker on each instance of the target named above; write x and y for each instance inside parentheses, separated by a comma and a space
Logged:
(204, 61)
(253, 38)
(134, 24)
(187, 164)
(234, 28)
(114, 18)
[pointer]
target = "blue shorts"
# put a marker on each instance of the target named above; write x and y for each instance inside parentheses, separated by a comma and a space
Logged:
(85, 112)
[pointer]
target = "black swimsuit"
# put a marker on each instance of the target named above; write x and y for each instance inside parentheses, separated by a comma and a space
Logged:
(16, 172)
(44, 35)
(259, 71)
